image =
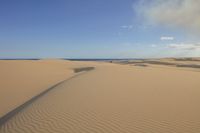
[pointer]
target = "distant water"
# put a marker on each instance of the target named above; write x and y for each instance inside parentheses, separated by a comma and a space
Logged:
(111, 59)
(77, 59)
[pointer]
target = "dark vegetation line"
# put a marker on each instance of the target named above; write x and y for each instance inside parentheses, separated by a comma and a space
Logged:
(76, 70)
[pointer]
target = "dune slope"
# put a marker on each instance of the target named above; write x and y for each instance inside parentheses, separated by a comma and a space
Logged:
(118, 99)
(20, 80)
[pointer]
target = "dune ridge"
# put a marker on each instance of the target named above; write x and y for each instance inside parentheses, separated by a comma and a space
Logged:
(12, 113)
(20, 80)
(116, 98)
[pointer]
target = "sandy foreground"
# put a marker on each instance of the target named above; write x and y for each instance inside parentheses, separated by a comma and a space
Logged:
(20, 80)
(113, 98)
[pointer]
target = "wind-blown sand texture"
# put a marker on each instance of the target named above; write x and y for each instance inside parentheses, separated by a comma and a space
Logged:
(20, 80)
(115, 98)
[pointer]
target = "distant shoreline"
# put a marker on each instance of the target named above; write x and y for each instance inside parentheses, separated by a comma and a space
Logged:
(109, 59)
(77, 59)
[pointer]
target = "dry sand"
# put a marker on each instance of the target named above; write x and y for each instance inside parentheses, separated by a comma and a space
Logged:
(20, 80)
(116, 99)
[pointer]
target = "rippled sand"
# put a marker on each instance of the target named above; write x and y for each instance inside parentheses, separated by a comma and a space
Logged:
(116, 99)
(20, 80)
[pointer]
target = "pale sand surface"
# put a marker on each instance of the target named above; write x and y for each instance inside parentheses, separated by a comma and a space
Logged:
(20, 80)
(116, 99)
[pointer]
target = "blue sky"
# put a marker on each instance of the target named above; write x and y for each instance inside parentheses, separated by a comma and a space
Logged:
(95, 29)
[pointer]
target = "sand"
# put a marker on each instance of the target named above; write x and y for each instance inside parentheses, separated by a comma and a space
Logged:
(20, 80)
(116, 98)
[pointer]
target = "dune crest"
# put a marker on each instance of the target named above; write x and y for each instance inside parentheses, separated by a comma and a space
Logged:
(116, 99)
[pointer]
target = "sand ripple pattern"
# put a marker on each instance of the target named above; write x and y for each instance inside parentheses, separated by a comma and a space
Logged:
(78, 106)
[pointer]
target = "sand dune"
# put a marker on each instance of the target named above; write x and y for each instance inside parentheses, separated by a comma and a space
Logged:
(20, 80)
(186, 63)
(116, 99)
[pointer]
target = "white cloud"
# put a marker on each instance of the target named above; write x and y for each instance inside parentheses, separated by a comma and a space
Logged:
(174, 13)
(183, 46)
(166, 38)
(153, 46)
(129, 27)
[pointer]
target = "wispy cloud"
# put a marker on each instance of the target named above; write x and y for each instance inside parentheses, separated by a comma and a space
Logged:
(129, 27)
(183, 46)
(166, 38)
(154, 45)
(176, 13)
